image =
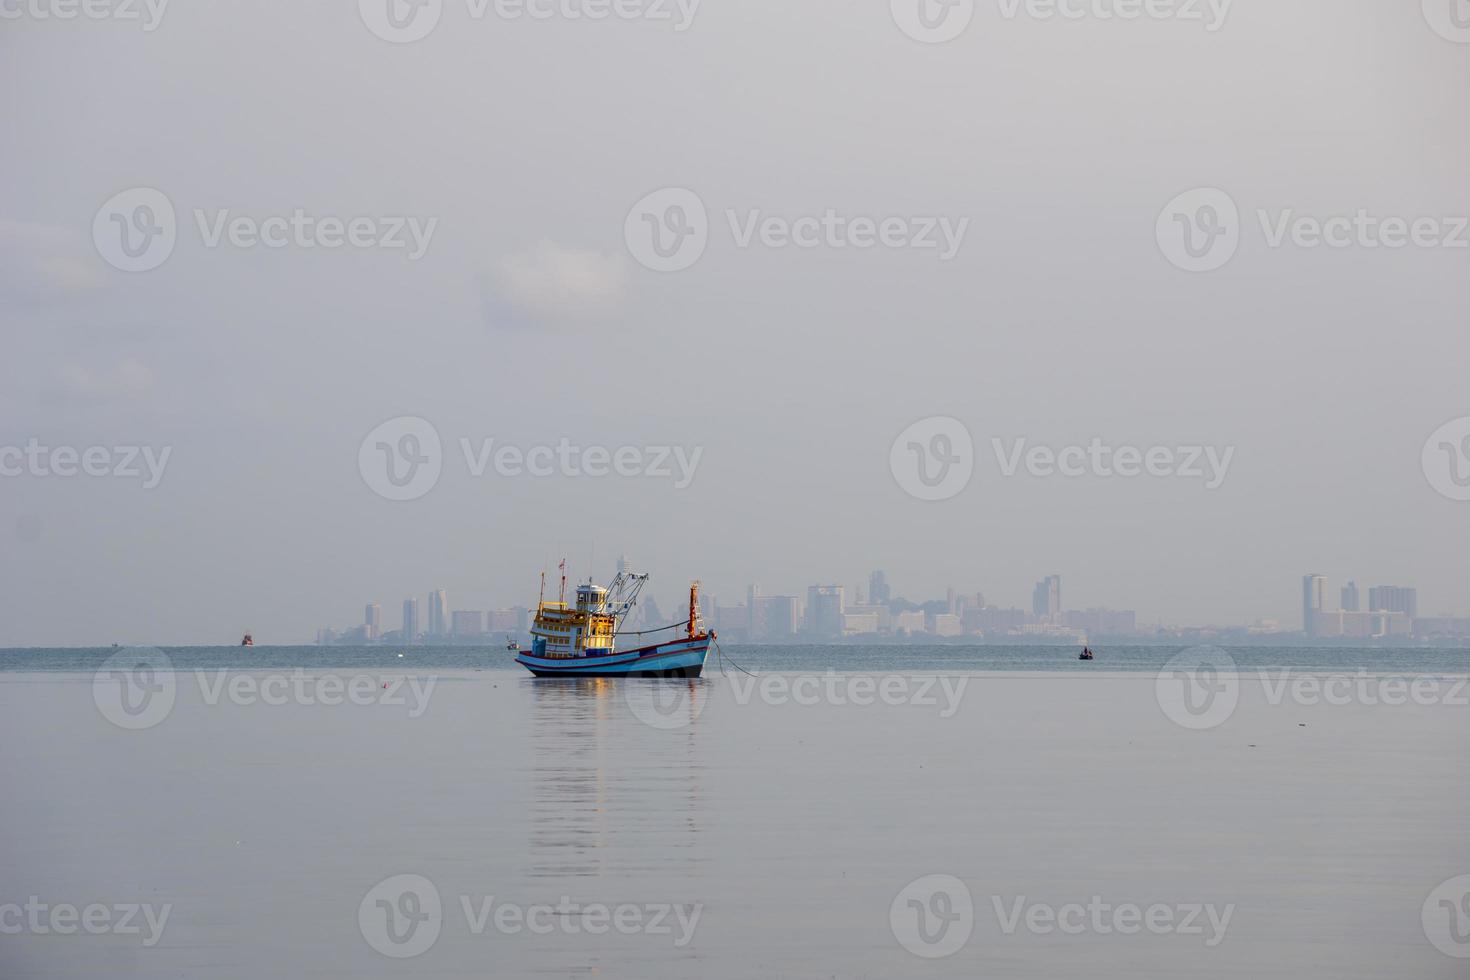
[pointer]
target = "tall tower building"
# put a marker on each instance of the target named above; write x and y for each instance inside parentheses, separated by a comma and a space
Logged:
(1394, 598)
(410, 620)
(825, 605)
(878, 590)
(1314, 601)
(1350, 598)
(372, 621)
(1046, 599)
(438, 613)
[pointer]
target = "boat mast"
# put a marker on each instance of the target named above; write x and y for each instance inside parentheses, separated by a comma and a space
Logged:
(563, 567)
(693, 608)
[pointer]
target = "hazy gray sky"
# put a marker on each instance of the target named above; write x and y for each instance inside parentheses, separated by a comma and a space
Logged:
(529, 319)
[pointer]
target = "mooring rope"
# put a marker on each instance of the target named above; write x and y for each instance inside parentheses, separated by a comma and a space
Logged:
(721, 652)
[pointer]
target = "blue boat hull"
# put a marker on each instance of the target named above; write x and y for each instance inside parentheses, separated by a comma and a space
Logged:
(677, 658)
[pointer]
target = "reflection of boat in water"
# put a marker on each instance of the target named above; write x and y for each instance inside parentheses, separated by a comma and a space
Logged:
(247, 641)
(581, 640)
(583, 783)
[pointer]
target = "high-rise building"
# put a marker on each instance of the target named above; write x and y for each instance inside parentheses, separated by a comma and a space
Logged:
(468, 622)
(372, 621)
(878, 590)
(1046, 599)
(1393, 598)
(438, 612)
(1314, 602)
(410, 620)
(1350, 597)
(824, 608)
(776, 617)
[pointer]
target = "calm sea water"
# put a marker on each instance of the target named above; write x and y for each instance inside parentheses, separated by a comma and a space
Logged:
(489, 824)
(794, 658)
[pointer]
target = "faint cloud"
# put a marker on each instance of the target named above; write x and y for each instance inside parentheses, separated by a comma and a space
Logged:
(125, 379)
(42, 262)
(549, 283)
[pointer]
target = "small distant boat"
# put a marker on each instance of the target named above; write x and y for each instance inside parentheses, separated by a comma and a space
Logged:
(513, 646)
(581, 640)
(247, 641)
(1086, 654)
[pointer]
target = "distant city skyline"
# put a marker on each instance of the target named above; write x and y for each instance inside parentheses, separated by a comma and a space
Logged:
(824, 613)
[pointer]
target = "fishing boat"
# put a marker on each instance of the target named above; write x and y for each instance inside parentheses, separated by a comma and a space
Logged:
(581, 639)
(247, 641)
(1086, 654)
